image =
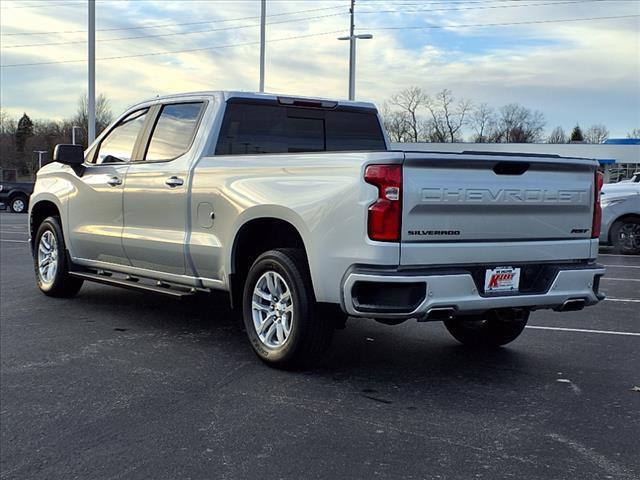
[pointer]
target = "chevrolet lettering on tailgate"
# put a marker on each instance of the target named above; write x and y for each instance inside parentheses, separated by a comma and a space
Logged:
(508, 195)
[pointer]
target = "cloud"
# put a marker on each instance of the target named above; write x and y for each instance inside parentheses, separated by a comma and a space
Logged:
(587, 71)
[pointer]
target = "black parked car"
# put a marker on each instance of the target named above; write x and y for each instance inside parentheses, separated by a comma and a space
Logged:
(15, 196)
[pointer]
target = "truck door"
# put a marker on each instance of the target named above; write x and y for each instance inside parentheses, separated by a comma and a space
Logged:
(95, 210)
(156, 191)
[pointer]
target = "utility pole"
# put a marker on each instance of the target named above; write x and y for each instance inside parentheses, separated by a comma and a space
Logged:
(91, 100)
(352, 50)
(263, 19)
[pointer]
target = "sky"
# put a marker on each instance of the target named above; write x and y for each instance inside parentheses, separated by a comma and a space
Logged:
(493, 51)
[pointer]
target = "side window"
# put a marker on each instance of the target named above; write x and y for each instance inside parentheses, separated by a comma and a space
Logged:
(353, 131)
(255, 128)
(118, 145)
(250, 129)
(174, 131)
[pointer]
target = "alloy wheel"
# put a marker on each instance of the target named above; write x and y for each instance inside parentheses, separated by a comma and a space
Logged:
(47, 257)
(18, 205)
(629, 236)
(272, 309)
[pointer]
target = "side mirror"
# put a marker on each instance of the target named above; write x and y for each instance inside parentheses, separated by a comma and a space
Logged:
(69, 154)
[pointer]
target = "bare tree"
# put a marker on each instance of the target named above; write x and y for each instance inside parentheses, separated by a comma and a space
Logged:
(8, 153)
(635, 133)
(398, 127)
(596, 134)
(104, 116)
(429, 131)
(411, 100)
(396, 124)
(557, 136)
(7, 124)
(447, 115)
(518, 124)
(483, 123)
(49, 133)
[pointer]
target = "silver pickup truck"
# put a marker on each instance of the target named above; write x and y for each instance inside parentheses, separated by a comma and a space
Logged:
(297, 209)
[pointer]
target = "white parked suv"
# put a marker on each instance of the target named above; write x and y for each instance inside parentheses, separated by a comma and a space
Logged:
(297, 208)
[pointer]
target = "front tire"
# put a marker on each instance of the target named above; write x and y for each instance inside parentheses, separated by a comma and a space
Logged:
(19, 204)
(280, 314)
(492, 329)
(625, 236)
(50, 261)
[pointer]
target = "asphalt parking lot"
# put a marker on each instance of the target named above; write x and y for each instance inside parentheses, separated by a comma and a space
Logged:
(119, 384)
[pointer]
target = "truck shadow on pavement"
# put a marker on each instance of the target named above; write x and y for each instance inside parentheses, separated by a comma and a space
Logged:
(411, 353)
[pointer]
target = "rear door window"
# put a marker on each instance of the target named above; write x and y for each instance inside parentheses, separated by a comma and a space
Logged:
(174, 131)
(258, 128)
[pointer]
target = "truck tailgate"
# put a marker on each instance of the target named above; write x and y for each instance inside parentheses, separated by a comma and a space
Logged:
(513, 203)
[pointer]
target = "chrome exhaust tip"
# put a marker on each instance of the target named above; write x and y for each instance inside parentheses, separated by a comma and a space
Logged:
(572, 305)
(439, 313)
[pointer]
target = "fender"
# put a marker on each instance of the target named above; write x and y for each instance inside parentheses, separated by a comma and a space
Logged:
(257, 212)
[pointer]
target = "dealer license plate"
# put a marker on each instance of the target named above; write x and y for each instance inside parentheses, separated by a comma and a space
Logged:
(502, 279)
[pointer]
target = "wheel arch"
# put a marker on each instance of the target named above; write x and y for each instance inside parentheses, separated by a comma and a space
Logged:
(255, 236)
(38, 212)
(17, 193)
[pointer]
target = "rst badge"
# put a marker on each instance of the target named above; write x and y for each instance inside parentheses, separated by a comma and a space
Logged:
(502, 279)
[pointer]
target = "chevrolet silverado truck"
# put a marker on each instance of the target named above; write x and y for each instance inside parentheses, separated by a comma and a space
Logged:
(297, 208)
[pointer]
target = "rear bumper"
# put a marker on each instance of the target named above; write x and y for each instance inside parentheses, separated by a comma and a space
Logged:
(430, 295)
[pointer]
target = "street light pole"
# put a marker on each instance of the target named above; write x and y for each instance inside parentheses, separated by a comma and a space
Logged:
(352, 50)
(263, 15)
(352, 54)
(91, 100)
(73, 133)
(40, 153)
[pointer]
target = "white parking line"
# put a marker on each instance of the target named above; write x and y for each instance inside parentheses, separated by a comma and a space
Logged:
(13, 241)
(621, 266)
(632, 300)
(621, 279)
(613, 255)
(584, 330)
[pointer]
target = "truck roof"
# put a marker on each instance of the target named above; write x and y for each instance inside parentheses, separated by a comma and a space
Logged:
(225, 95)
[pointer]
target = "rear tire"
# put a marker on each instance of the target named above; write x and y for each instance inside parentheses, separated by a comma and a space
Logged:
(19, 204)
(625, 236)
(492, 329)
(50, 261)
(284, 325)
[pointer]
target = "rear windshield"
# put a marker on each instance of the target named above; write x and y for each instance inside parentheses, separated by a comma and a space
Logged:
(258, 128)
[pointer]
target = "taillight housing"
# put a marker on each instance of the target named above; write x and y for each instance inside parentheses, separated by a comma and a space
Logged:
(385, 214)
(597, 209)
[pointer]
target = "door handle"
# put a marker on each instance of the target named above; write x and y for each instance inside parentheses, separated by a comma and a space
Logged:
(174, 182)
(114, 181)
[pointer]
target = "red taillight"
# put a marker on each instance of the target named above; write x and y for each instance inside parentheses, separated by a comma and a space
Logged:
(385, 214)
(597, 210)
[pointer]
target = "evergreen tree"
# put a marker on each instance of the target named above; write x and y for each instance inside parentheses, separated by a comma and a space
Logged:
(576, 134)
(23, 132)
